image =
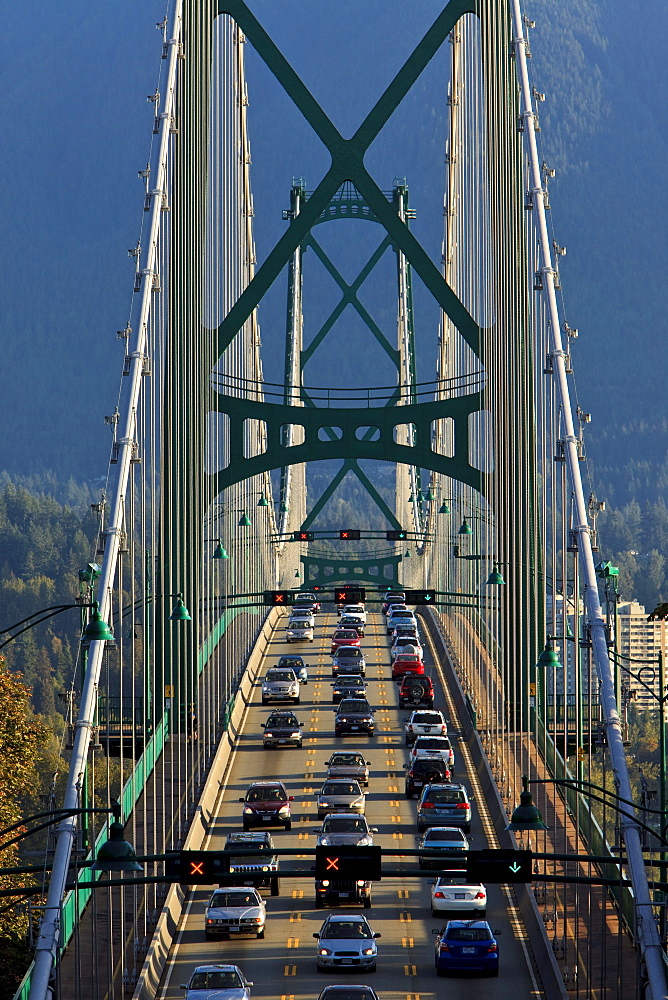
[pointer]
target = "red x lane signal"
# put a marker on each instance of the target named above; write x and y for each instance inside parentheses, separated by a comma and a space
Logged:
(348, 863)
(196, 868)
(199, 867)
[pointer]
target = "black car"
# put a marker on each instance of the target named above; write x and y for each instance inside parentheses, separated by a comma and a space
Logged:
(259, 867)
(347, 621)
(425, 771)
(282, 729)
(348, 993)
(348, 686)
(354, 715)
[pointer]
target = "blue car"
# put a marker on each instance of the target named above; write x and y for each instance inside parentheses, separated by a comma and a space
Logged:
(297, 664)
(466, 946)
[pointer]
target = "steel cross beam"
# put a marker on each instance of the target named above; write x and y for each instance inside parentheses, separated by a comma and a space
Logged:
(351, 422)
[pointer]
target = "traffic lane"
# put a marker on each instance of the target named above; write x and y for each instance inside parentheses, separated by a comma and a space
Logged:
(284, 961)
(301, 773)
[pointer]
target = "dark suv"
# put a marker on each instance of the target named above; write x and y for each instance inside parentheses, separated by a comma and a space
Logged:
(416, 691)
(282, 729)
(267, 802)
(257, 869)
(425, 771)
(354, 715)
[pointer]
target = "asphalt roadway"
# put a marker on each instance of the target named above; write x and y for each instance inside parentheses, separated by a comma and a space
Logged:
(283, 965)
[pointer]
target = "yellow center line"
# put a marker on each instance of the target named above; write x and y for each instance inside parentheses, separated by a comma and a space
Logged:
(297, 893)
(410, 970)
(405, 917)
(407, 942)
(392, 788)
(290, 970)
(293, 942)
(295, 917)
(402, 893)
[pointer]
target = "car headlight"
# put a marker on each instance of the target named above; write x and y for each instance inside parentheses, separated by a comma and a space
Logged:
(247, 809)
(324, 951)
(269, 734)
(256, 920)
(293, 736)
(324, 842)
(284, 810)
(368, 951)
(325, 882)
(324, 805)
(364, 842)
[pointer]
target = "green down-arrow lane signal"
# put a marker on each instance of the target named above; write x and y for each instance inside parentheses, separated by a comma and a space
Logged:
(499, 865)
(417, 597)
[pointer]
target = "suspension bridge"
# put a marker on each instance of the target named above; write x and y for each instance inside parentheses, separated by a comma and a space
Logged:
(458, 430)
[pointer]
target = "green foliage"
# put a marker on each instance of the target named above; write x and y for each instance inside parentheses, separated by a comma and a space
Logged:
(23, 738)
(43, 544)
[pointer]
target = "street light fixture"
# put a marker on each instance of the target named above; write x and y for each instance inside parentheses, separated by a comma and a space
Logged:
(526, 816)
(180, 612)
(219, 551)
(244, 521)
(97, 629)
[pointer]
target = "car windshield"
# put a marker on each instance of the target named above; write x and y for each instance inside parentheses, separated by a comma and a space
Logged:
(443, 836)
(299, 624)
(340, 788)
(349, 653)
(345, 633)
(346, 758)
(346, 929)
(354, 705)
(216, 980)
(227, 899)
(344, 824)
(291, 662)
(347, 993)
(456, 878)
(469, 934)
(271, 794)
(445, 796)
(281, 675)
(282, 720)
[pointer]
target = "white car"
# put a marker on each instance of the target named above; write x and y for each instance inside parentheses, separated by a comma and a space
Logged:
(217, 982)
(280, 684)
(355, 609)
(425, 722)
(299, 630)
(233, 911)
(454, 892)
(406, 644)
(440, 745)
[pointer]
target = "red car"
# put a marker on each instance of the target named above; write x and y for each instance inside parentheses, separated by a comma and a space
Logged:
(405, 663)
(344, 637)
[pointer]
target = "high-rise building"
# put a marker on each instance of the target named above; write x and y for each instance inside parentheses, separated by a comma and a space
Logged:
(640, 640)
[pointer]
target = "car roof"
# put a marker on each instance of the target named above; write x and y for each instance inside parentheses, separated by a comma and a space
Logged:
(247, 836)
(271, 783)
(216, 968)
(338, 917)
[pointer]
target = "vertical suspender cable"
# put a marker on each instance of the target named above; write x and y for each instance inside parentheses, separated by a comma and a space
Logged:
(646, 929)
(47, 944)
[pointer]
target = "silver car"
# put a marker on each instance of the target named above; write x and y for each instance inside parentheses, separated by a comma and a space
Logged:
(346, 941)
(280, 684)
(299, 630)
(302, 614)
(233, 911)
(348, 764)
(340, 795)
(217, 982)
(341, 828)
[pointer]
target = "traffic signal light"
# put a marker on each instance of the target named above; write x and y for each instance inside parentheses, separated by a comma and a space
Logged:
(348, 862)
(396, 536)
(278, 597)
(202, 867)
(499, 866)
(349, 535)
(420, 596)
(303, 536)
(350, 595)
